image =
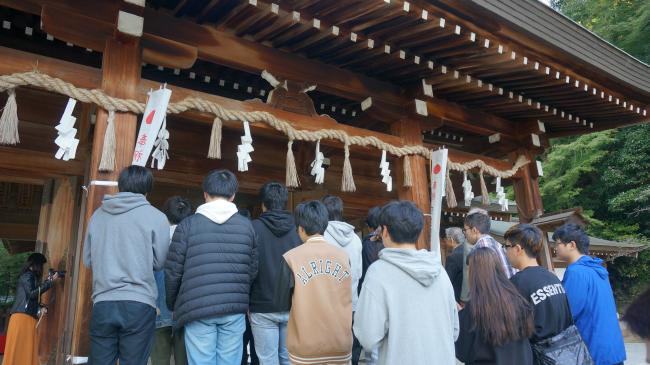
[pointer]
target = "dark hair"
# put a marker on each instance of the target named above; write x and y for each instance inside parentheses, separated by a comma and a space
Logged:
(499, 312)
(403, 220)
(573, 232)
(637, 315)
(245, 213)
(220, 183)
(311, 216)
(527, 236)
(373, 217)
(479, 221)
(135, 179)
(36, 259)
(274, 196)
(334, 206)
(177, 208)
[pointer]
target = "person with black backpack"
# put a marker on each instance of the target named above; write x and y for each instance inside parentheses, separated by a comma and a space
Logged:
(555, 339)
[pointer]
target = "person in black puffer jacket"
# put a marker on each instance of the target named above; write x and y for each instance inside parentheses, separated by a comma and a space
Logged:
(211, 264)
(277, 234)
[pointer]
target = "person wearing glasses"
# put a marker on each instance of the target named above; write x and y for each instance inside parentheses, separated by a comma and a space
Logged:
(553, 323)
(590, 296)
(477, 232)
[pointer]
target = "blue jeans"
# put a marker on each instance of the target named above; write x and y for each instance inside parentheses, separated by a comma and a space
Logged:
(216, 340)
(270, 333)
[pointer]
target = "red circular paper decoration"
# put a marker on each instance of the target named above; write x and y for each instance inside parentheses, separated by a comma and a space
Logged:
(436, 169)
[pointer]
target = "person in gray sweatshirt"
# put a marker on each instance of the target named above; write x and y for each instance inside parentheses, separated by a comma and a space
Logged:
(342, 235)
(126, 240)
(407, 303)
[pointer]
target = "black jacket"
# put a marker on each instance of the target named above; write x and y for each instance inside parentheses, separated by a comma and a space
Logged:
(210, 268)
(276, 234)
(454, 268)
(369, 254)
(27, 294)
(471, 349)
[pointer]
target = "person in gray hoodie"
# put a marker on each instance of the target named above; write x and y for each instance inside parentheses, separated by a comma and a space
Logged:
(126, 240)
(342, 235)
(407, 303)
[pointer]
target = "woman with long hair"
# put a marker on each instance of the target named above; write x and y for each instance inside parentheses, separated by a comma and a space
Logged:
(21, 347)
(497, 321)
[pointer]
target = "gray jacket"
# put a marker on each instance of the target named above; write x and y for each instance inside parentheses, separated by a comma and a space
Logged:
(342, 234)
(126, 240)
(407, 307)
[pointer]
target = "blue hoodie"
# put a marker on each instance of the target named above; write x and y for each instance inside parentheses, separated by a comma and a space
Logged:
(592, 305)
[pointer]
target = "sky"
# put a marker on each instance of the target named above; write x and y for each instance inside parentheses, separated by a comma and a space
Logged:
(547, 2)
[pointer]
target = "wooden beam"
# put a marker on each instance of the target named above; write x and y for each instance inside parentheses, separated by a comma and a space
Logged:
(90, 78)
(39, 164)
(18, 231)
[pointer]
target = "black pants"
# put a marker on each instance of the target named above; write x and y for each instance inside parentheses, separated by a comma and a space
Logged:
(248, 338)
(121, 329)
(356, 347)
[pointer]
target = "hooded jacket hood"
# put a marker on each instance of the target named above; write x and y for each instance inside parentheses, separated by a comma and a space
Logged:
(341, 232)
(218, 211)
(123, 202)
(595, 264)
(421, 265)
(279, 222)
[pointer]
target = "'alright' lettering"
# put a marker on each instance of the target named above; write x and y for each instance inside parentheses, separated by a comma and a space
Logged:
(320, 267)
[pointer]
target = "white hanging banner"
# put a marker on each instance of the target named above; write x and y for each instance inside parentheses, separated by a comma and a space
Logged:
(438, 174)
(152, 119)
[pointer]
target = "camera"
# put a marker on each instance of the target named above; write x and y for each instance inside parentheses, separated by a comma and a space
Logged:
(51, 273)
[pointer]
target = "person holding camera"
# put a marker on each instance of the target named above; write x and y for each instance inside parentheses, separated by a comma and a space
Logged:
(21, 347)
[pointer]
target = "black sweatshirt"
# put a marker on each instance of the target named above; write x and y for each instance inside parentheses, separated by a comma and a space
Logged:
(454, 268)
(371, 246)
(276, 234)
(550, 305)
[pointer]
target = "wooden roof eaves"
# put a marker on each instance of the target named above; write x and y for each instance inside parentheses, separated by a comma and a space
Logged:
(559, 33)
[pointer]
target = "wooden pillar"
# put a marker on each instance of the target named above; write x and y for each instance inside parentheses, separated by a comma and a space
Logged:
(527, 195)
(120, 76)
(57, 234)
(410, 132)
(529, 201)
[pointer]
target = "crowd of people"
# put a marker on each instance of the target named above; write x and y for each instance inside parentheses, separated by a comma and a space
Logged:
(303, 288)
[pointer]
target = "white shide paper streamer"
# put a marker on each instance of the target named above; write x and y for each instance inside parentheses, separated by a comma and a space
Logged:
(244, 149)
(317, 169)
(66, 134)
(385, 172)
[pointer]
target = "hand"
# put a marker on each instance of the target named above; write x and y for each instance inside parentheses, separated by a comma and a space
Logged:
(55, 276)
(460, 306)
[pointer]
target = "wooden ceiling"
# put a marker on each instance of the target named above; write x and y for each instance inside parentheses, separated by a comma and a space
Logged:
(408, 42)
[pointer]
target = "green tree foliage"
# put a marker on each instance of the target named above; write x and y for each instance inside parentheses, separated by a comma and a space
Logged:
(624, 23)
(608, 173)
(10, 271)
